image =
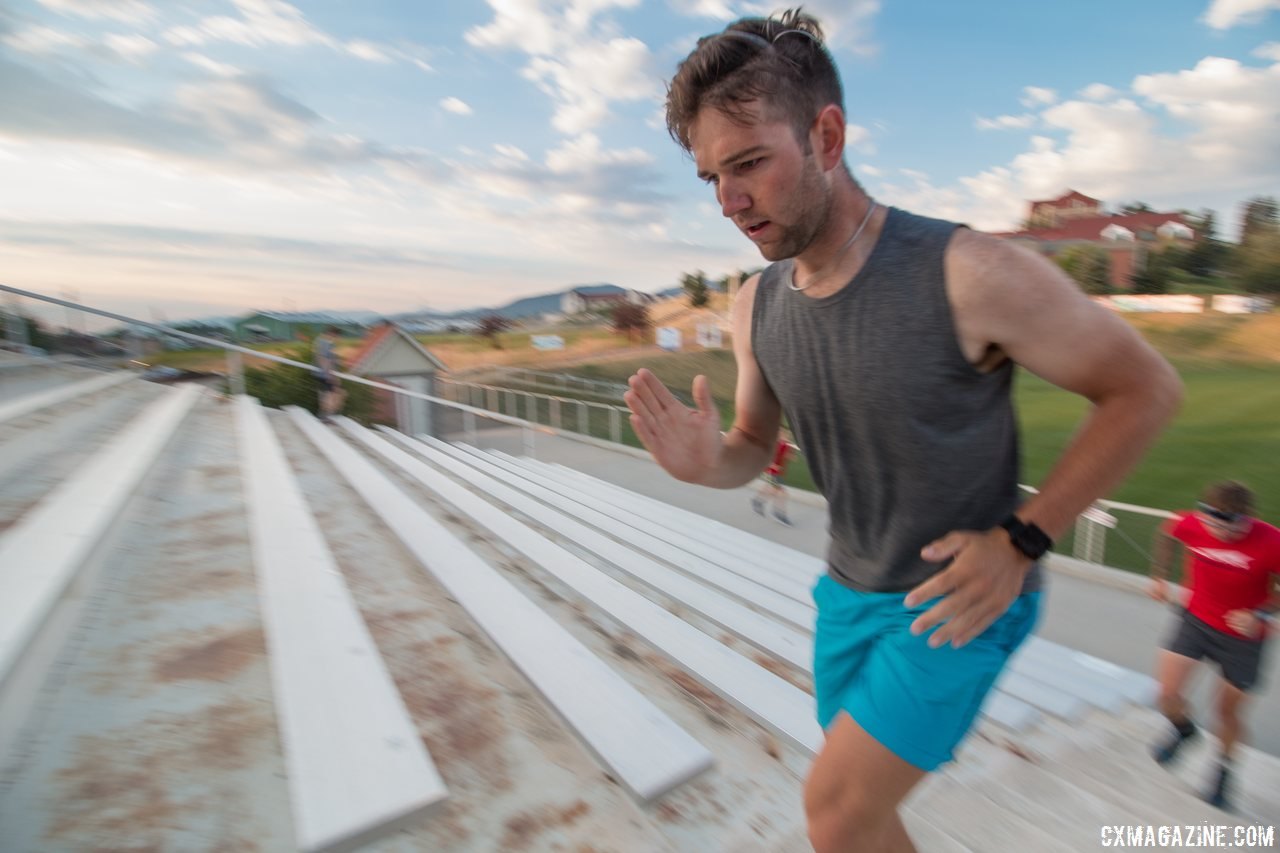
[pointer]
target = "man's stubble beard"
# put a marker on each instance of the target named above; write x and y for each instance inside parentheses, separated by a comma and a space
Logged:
(809, 208)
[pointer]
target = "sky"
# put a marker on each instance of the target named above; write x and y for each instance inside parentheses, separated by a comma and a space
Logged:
(189, 158)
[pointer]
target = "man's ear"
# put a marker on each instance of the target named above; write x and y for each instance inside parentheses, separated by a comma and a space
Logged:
(827, 137)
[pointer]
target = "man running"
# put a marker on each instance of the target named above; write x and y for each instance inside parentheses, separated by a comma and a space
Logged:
(889, 340)
(1232, 566)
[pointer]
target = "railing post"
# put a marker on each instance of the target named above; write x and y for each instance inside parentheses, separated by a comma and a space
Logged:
(492, 402)
(235, 372)
(582, 418)
(615, 430)
(469, 427)
(555, 412)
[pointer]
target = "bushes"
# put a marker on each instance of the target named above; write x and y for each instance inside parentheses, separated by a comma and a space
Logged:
(280, 385)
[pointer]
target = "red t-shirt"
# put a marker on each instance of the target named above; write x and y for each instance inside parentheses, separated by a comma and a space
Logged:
(1226, 576)
(779, 464)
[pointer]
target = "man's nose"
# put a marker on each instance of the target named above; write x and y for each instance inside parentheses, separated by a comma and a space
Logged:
(733, 199)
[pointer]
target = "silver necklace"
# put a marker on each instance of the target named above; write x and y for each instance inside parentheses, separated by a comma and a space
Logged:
(813, 276)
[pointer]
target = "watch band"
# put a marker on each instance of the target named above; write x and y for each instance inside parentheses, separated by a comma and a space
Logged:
(1027, 537)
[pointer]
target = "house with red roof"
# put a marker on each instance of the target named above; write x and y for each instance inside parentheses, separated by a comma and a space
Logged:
(1128, 238)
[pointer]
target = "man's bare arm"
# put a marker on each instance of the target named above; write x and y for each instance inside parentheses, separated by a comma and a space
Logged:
(1010, 302)
(1024, 305)
(687, 442)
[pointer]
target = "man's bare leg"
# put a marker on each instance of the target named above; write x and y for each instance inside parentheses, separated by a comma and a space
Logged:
(1173, 671)
(1231, 702)
(852, 795)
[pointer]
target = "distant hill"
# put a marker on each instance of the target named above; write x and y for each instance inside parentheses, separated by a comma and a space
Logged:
(529, 306)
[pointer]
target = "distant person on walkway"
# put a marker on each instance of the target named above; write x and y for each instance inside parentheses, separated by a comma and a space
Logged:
(1232, 570)
(332, 395)
(889, 341)
(771, 491)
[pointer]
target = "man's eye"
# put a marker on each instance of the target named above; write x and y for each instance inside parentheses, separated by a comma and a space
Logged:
(711, 179)
(747, 165)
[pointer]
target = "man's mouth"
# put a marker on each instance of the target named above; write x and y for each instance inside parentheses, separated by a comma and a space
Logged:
(754, 230)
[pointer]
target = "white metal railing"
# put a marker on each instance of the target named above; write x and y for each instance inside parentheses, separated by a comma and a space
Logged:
(502, 405)
(235, 366)
(536, 379)
(585, 417)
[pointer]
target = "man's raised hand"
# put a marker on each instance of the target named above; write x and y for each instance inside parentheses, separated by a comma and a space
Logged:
(686, 442)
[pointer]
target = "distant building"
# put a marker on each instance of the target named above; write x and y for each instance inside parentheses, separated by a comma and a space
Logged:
(599, 298)
(1075, 218)
(290, 325)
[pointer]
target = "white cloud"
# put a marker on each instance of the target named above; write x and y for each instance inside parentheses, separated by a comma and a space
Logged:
(584, 154)
(1209, 132)
(511, 152)
(869, 170)
(1005, 122)
(454, 105)
(42, 40)
(1035, 96)
(1097, 92)
(366, 50)
(718, 9)
(127, 11)
(1225, 14)
(220, 69)
(1270, 50)
(585, 78)
(264, 23)
(858, 138)
(132, 47)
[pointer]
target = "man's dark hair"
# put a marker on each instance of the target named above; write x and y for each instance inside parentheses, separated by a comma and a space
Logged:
(1230, 496)
(779, 62)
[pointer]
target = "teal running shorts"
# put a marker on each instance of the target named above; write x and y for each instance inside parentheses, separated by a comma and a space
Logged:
(917, 701)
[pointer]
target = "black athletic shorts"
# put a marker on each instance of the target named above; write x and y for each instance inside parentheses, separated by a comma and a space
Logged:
(1239, 659)
(327, 381)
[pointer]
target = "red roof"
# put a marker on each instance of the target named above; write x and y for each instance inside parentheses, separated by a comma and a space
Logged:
(1090, 228)
(1067, 196)
(372, 342)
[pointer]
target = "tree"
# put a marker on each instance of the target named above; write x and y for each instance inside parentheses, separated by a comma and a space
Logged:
(280, 385)
(491, 326)
(1135, 207)
(1090, 266)
(1159, 269)
(1257, 261)
(631, 319)
(1259, 217)
(1208, 252)
(695, 285)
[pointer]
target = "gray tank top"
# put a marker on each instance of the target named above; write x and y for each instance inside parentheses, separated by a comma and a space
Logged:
(905, 438)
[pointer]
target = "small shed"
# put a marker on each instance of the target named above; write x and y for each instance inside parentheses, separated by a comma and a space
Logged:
(392, 355)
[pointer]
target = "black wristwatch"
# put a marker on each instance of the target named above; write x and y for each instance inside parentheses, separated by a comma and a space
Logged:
(1026, 537)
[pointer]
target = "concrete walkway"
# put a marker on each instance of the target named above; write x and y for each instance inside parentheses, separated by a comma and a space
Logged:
(1100, 614)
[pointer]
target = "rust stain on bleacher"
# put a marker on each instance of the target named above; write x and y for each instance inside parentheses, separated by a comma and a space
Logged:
(120, 786)
(523, 828)
(215, 659)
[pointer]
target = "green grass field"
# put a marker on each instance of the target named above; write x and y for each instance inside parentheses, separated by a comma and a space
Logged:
(1229, 427)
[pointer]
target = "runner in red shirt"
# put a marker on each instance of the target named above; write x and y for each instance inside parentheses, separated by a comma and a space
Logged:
(1232, 565)
(771, 487)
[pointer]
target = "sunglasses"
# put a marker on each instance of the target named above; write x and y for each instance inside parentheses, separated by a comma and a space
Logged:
(1217, 514)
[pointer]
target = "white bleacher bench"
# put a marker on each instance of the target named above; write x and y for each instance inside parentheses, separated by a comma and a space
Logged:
(776, 594)
(743, 543)
(772, 701)
(357, 767)
(784, 641)
(43, 553)
(29, 403)
(645, 750)
(777, 573)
